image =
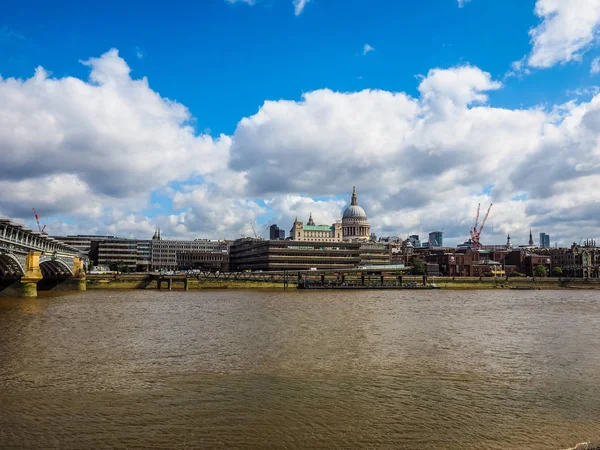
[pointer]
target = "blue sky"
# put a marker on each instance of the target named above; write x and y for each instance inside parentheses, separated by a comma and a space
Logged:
(223, 60)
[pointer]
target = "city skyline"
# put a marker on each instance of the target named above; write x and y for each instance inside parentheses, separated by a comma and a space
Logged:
(180, 121)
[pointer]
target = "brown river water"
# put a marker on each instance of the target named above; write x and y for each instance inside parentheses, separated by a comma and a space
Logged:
(301, 369)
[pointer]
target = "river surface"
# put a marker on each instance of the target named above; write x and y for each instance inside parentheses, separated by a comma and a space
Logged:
(301, 369)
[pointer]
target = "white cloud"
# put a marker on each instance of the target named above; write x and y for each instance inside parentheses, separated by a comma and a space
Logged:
(367, 48)
(299, 6)
(462, 3)
(457, 88)
(422, 163)
(94, 151)
(108, 140)
(567, 30)
(595, 66)
(139, 53)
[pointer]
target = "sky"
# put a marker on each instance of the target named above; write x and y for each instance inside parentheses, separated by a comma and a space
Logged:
(206, 119)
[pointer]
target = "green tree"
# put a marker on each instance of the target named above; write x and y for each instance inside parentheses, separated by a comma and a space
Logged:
(418, 266)
(540, 271)
(557, 272)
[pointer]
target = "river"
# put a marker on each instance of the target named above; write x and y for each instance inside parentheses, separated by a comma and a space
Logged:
(301, 369)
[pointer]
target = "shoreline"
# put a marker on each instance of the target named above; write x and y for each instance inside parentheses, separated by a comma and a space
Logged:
(127, 281)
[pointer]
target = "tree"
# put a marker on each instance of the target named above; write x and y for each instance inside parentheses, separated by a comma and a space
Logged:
(540, 271)
(418, 266)
(557, 272)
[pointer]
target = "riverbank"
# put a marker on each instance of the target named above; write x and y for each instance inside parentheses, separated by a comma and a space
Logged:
(140, 281)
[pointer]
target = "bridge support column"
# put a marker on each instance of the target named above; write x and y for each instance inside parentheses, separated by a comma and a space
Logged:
(33, 274)
(169, 283)
(185, 285)
(27, 284)
(78, 281)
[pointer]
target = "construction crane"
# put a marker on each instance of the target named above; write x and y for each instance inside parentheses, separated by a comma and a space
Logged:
(253, 230)
(476, 233)
(37, 219)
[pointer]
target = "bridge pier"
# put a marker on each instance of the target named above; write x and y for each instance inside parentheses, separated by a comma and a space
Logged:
(26, 286)
(185, 284)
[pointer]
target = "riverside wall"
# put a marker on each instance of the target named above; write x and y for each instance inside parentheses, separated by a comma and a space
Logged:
(140, 281)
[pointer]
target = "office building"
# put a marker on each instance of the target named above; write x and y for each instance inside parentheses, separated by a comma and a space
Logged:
(414, 240)
(164, 252)
(82, 242)
(259, 254)
(123, 255)
(217, 261)
(436, 239)
(544, 240)
(276, 233)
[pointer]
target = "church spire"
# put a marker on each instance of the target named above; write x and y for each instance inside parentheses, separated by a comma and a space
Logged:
(310, 220)
(354, 201)
(530, 237)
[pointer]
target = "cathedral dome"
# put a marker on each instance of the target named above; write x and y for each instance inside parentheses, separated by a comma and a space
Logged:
(354, 212)
(354, 222)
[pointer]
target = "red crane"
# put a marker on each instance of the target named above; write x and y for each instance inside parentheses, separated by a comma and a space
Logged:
(37, 219)
(476, 233)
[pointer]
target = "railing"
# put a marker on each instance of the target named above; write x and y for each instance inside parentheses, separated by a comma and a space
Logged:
(23, 237)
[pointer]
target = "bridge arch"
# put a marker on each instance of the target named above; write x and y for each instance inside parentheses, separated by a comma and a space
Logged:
(10, 265)
(52, 267)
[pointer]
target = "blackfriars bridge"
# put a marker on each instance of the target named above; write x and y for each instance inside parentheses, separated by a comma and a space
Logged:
(30, 260)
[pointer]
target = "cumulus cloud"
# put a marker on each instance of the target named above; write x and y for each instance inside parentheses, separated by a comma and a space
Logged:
(104, 140)
(567, 30)
(423, 163)
(97, 151)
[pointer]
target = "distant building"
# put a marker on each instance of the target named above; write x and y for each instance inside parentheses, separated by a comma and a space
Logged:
(276, 233)
(375, 254)
(415, 240)
(124, 255)
(354, 221)
(316, 233)
(82, 242)
(204, 261)
(353, 227)
(259, 254)
(436, 239)
(577, 261)
(164, 252)
(544, 240)
(530, 238)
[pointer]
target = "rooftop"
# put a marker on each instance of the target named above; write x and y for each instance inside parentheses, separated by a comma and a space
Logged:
(318, 228)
